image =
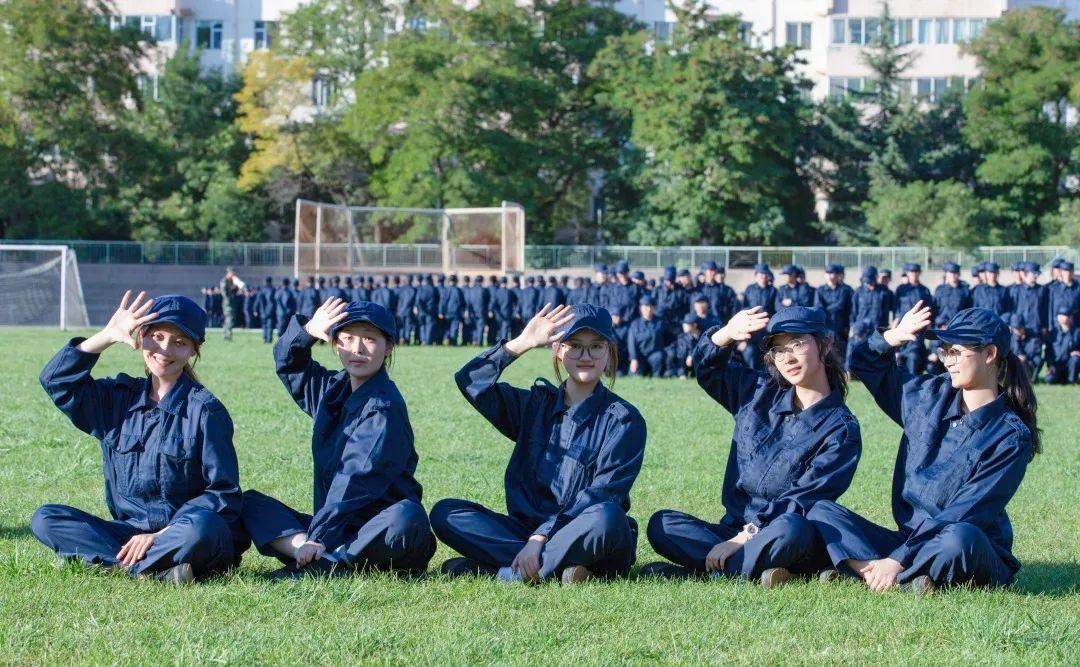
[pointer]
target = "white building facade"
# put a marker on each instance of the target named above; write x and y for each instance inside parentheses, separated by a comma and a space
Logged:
(830, 34)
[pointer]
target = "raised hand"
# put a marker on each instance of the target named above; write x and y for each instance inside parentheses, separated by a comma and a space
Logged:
(327, 315)
(741, 326)
(909, 326)
(128, 318)
(542, 329)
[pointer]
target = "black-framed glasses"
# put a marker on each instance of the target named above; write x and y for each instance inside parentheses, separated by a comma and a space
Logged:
(577, 351)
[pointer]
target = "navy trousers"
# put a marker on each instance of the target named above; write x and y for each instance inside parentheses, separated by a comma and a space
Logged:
(198, 537)
(602, 538)
(268, 329)
(455, 326)
(397, 537)
(789, 541)
(1063, 372)
(960, 553)
(652, 365)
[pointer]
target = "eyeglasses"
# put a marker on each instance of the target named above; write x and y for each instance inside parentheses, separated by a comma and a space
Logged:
(954, 352)
(797, 348)
(576, 351)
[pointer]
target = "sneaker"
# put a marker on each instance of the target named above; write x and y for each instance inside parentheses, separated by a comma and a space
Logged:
(665, 570)
(774, 577)
(319, 567)
(920, 586)
(506, 574)
(575, 574)
(828, 576)
(177, 574)
(464, 567)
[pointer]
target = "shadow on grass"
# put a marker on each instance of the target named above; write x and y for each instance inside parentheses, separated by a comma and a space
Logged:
(14, 532)
(1053, 579)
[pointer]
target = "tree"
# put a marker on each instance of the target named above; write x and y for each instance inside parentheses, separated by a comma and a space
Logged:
(940, 214)
(716, 123)
(1022, 116)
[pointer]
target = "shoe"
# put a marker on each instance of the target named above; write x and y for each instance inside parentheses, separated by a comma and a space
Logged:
(828, 576)
(316, 568)
(464, 567)
(575, 574)
(920, 586)
(506, 574)
(774, 577)
(665, 570)
(177, 574)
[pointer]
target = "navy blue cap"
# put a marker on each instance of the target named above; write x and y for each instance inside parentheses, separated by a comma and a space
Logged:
(788, 269)
(600, 268)
(885, 272)
(869, 274)
(530, 280)
(700, 296)
(622, 266)
(1056, 264)
(637, 275)
(366, 311)
(1017, 321)
(991, 267)
(709, 265)
(797, 319)
(588, 316)
(950, 267)
(684, 272)
(669, 273)
(834, 268)
(181, 312)
(762, 268)
(1064, 310)
(912, 266)
(646, 300)
(1016, 266)
(974, 326)
(691, 318)
(1065, 266)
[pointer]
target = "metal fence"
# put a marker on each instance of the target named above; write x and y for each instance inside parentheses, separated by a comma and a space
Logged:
(401, 256)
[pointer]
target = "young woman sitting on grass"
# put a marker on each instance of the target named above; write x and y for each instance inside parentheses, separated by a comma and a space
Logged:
(578, 448)
(367, 511)
(171, 479)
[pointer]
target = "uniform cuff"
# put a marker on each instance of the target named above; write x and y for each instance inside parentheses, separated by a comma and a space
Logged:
(879, 345)
(499, 354)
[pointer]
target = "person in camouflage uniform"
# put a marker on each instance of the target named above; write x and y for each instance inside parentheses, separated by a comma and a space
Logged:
(230, 285)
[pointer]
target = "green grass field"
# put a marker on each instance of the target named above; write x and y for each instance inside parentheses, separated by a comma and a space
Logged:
(74, 614)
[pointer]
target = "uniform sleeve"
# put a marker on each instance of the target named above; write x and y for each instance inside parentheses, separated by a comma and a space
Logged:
(303, 377)
(980, 501)
(86, 402)
(827, 478)
(729, 382)
(631, 342)
(874, 363)
(617, 466)
(500, 403)
(220, 471)
(375, 455)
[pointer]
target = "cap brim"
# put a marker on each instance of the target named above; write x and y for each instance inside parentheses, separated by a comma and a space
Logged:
(950, 337)
(179, 325)
(582, 327)
(353, 320)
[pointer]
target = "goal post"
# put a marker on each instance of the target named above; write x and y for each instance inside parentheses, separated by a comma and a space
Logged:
(40, 286)
(340, 239)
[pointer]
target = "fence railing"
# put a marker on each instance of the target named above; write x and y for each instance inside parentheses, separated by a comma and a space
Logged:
(373, 256)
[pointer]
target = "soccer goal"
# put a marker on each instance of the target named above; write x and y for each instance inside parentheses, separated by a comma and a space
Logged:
(338, 239)
(40, 286)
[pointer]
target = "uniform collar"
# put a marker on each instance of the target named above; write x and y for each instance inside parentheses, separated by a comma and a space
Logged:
(173, 401)
(816, 413)
(354, 398)
(979, 418)
(583, 410)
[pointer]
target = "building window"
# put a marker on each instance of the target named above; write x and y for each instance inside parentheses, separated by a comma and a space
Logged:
(855, 31)
(746, 32)
(208, 35)
(265, 32)
(926, 31)
(322, 90)
(941, 31)
(148, 86)
(163, 29)
(902, 31)
(960, 30)
(662, 30)
(873, 29)
(839, 31)
(798, 35)
(975, 28)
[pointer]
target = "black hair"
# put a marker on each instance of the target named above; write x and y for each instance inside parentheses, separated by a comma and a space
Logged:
(1014, 382)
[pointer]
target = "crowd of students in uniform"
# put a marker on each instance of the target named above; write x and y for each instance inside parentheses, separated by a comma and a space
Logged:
(657, 323)
(178, 511)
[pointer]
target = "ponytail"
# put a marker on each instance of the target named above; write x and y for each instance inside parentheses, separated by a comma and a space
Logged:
(1014, 382)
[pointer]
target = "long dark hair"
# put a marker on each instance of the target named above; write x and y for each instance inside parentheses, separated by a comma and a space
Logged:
(1014, 382)
(828, 353)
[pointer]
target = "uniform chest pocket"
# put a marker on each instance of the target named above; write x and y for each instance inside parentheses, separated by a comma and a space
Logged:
(123, 452)
(944, 478)
(781, 468)
(179, 468)
(564, 475)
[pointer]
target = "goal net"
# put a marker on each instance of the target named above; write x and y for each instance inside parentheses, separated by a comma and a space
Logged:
(40, 286)
(337, 239)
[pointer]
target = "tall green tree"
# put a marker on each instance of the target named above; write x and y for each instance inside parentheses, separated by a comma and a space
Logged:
(1022, 117)
(716, 123)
